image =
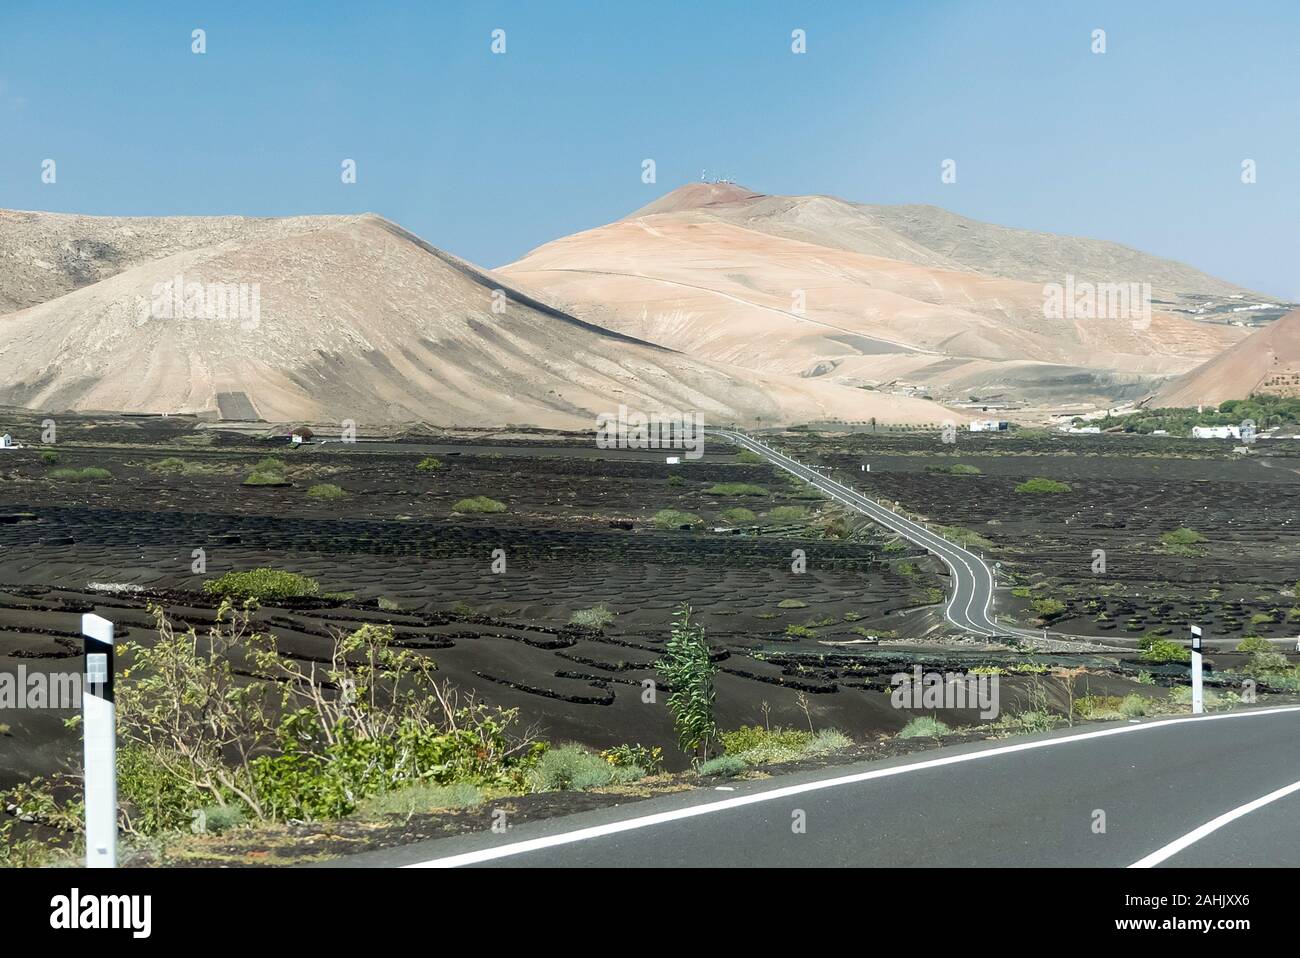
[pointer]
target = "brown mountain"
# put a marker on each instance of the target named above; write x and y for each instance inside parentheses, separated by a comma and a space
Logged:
(818, 287)
(1267, 361)
(345, 318)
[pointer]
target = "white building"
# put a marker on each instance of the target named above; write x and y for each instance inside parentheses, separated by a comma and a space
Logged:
(1084, 430)
(1216, 432)
(988, 425)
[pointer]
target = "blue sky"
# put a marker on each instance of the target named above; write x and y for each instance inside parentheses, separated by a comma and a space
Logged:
(490, 155)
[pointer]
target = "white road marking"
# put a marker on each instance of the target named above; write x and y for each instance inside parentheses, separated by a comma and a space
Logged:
(709, 808)
(1213, 825)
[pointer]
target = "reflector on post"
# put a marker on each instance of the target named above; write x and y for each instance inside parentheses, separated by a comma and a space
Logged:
(99, 729)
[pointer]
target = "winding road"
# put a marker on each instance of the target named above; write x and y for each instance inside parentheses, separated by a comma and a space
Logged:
(970, 604)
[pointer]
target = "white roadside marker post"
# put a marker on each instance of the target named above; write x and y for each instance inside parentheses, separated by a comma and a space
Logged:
(1198, 693)
(99, 728)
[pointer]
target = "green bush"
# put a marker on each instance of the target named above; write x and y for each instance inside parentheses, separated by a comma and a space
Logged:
(429, 464)
(749, 458)
(1048, 609)
(1040, 485)
(170, 464)
(1133, 706)
(787, 513)
(269, 464)
(674, 519)
(259, 478)
(421, 797)
(688, 670)
(215, 819)
(89, 474)
(960, 469)
(574, 768)
(792, 604)
(800, 632)
(724, 766)
(649, 759)
(676, 480)
(326, 490)
(1164, 650)
(597, 617)
(49, 457)
(479, 504)
(924, 727)
(1254, 643)
(738, 514)
(755, 745)
(263, 584)
(735, 489)
(1182, 537)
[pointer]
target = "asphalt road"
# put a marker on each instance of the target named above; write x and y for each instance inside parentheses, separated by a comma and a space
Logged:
(1221, 789)
(970, 603)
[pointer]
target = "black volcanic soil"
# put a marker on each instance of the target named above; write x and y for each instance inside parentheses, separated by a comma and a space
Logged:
(577, 532)
(1126, 493)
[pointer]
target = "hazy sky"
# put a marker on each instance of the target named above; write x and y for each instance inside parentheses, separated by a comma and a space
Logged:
(490, 155)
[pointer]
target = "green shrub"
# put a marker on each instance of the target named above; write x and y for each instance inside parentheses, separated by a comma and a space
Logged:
(1041, 485)
(650, 759)
(673, 519)
(1254, 643)
(597, 617)
(787, 513)
(1182, 537)
(574, 768)
(258, 478)
(215, 819)
(1098, 706)
(792, 604)
(676, 480)
(1164, 650)
(89, 474)
(688, 670)
(735, 489)
(263, 584)
(326, 490)
(479, 504)
(421, 797)
(906, 569)
(170, 464)
(800, 632)
(49, 457)
(724, 766)
(429, 464)
(1133, 706)
(960, 469)
(749, 458)
(738, 514)
(924, 727)
(1048, 609)
(755, 745)
(1265, 665)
